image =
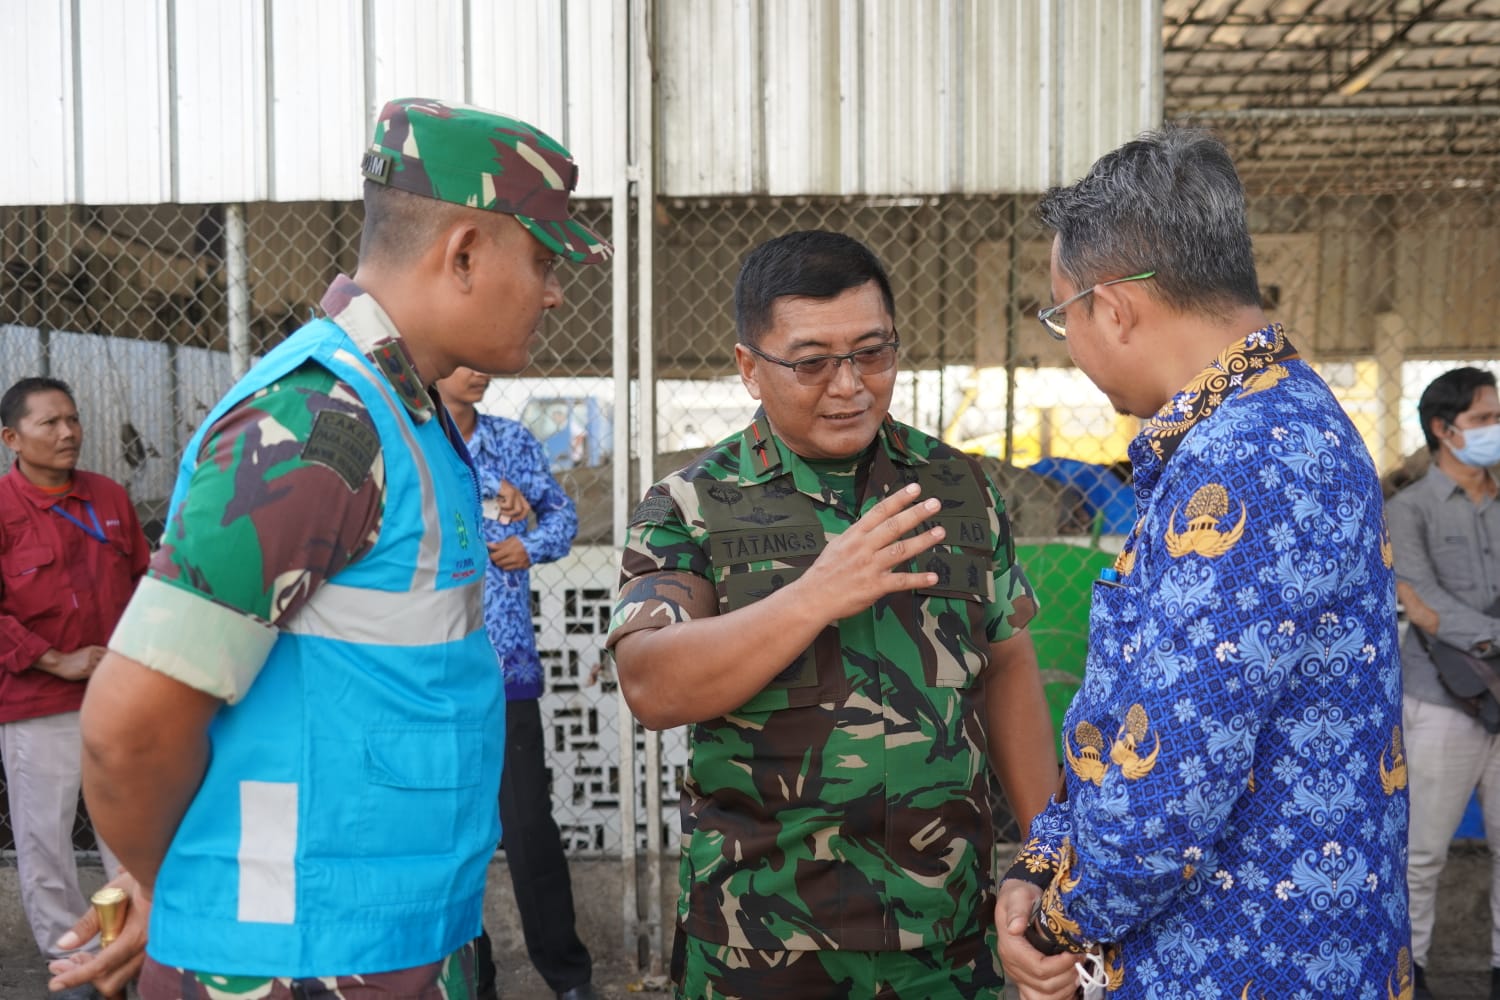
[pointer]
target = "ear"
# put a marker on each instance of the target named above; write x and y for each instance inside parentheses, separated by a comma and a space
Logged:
(745, 361)
(10, 438)
(460, 246)
(1116, 312)
(1443, 430)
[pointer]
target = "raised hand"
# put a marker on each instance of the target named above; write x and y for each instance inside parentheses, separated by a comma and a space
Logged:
(860, 566)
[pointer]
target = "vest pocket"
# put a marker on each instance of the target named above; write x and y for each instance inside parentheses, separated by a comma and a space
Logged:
(413, 781)
(815, 677)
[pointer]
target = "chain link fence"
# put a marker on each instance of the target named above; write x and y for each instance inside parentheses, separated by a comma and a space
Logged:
(1378, 246)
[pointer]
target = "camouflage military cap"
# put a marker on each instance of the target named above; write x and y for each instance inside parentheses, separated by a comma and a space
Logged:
(470, 156)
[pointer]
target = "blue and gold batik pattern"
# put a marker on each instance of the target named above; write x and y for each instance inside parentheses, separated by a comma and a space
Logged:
(1233, 819)
(504, 450)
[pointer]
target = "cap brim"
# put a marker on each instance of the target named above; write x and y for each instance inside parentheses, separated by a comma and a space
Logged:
(570, 238)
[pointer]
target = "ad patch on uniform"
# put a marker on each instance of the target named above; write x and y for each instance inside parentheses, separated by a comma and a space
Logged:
(345, 444)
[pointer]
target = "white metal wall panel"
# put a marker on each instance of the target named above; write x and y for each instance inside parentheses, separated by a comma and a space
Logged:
(550, 63)
(908, 107)
(1106, 70)
(589, 111)
(120, 382)
(708, 89)
(518, 65)
(894, 97)
(20, 353)
(220, 148)
(1006, 82)
(415, 50)
(123, 135)
(799, 42)
(251, 100)
(203, 377)
(318, 106)
(36, 78)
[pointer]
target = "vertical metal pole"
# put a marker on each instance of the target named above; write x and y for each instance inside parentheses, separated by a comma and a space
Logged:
(644, 94)
(43, 322)
(630, 918)
(1012, 323)
(237, 272)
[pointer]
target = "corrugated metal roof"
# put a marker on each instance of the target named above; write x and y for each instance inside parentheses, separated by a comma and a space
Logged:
(1330, 54)
(142, 101)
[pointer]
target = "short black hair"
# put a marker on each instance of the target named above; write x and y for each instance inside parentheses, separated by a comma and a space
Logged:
(16, 401)
(399, 226)
(812, 263)
(1169, 201)
(1448, 395)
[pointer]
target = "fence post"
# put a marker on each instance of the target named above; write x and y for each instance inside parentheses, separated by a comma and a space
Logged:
(237, 273)
(643, 95)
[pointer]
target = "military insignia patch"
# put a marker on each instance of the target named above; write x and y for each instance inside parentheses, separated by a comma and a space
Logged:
(652, 510)
(948, 476)
(725, 494)
(779, 489)
(343, 443)
(759, 515)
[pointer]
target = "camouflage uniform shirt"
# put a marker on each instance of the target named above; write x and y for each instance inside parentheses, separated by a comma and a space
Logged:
(289, 490)
(1234, 823)
(845, 806)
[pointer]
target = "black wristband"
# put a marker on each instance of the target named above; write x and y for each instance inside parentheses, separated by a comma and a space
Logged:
(1039, 937)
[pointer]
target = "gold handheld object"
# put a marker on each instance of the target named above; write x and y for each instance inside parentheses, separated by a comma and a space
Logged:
(109, 903)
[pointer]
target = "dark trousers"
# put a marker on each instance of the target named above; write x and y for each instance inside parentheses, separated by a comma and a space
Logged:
(534, 856)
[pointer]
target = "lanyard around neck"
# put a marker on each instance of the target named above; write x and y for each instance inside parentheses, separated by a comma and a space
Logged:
(96, 532)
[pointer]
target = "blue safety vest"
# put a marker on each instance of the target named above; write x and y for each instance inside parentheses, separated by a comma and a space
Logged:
(348, 814)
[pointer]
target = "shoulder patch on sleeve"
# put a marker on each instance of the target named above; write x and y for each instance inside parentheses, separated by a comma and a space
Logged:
(652, 510)
(343, 443)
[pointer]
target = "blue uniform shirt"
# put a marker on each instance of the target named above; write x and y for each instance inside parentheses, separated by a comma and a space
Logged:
(505, 450)
(1235, 816)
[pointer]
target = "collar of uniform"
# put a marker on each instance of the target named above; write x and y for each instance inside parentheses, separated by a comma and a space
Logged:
(1201, 398)
(764, 456)
(42, 500)
(377, 338)
(1441, 485)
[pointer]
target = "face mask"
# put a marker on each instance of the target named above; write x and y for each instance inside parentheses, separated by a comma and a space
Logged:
(1481, 446)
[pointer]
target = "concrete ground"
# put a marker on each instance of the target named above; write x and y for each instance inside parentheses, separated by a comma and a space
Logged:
(1458, 968)
(597, 894)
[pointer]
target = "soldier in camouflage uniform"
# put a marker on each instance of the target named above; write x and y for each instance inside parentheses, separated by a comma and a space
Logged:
(295, 739)
(829, 599)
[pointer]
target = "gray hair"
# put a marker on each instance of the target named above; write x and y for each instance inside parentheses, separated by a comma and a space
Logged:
(1170, 202)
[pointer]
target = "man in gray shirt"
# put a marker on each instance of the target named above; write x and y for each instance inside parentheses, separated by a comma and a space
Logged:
(1445, 529)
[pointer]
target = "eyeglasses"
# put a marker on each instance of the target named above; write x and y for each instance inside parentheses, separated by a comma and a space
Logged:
(821, 368)
(1056, 321)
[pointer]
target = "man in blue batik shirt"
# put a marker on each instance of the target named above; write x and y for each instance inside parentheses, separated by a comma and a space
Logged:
(514, 482)
(1233, 813)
